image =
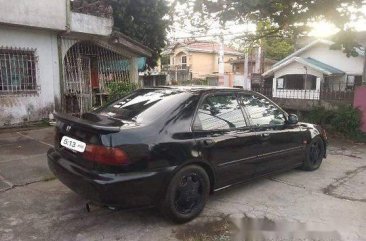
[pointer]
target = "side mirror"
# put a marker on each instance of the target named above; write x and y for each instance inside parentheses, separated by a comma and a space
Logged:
(292, 119)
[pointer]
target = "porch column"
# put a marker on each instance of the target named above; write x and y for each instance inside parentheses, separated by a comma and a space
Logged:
(318, 82)
(274, 87)
(134, 72)
(246, 85)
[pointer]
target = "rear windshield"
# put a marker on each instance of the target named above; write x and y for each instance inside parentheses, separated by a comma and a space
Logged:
(144, 104)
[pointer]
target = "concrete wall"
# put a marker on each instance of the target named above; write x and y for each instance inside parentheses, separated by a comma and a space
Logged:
(203, 64)
(228, 66)
(360, 102)
(50, 14)
(18, 108)
(83, 23)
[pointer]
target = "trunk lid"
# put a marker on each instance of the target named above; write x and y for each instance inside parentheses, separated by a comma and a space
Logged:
(91, 129)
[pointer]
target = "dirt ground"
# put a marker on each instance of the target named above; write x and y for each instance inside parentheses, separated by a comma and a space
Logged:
(328, 204)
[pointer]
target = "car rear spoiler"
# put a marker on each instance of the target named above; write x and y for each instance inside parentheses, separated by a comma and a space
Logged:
(85, 123)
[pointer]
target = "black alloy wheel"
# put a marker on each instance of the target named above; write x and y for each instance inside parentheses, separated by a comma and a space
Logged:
(315, 153)
(187, 194)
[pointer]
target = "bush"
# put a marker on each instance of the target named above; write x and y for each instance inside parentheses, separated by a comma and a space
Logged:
(119, 89)
(345, 119)
(321, 116)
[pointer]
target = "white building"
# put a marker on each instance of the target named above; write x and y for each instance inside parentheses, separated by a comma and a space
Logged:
(315, 69)
(53, 57)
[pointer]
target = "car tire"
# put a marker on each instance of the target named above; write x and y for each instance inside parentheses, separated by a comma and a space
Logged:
(186, 194)
(315, 152)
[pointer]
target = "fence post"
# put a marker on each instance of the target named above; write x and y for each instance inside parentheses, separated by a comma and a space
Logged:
(134, 72)
(318, 83)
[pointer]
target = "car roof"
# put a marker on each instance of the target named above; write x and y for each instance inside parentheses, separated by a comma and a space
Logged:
(201, 88)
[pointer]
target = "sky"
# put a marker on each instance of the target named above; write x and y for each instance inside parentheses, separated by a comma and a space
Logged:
(319, 30)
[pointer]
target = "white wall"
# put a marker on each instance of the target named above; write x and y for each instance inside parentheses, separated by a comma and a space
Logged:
(49, 14)
(336, 58)
(83, 23)
(297, 68)
(17, 108)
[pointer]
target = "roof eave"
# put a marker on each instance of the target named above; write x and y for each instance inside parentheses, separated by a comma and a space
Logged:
(303, 50)
(131, 44)
(301, 61)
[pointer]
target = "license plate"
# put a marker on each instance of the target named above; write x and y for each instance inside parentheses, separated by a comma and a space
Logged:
(72, 144)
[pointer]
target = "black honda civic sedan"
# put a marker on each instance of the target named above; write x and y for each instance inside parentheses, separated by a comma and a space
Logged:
(170, 147)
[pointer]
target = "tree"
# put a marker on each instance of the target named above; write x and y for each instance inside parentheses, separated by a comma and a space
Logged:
(275, 47)
(142, 20)
(285, 16)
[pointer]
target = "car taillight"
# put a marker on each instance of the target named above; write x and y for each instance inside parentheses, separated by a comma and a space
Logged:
(105, 155)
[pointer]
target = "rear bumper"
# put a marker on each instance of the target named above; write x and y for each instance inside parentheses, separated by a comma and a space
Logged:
(125, 190)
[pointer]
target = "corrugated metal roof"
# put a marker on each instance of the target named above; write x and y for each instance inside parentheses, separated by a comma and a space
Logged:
(310, 62)
(324, 67)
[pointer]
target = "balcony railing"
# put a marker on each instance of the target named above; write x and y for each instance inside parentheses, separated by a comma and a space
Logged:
(175, 67)
(345, 96)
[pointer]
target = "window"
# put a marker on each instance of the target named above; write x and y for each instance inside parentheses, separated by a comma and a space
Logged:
(297, 82)
(350, 81)
(143, 105)
(353, 81)
(219, 112)
(184, 62)
(262, 111)
(17, 71)
(280, 83)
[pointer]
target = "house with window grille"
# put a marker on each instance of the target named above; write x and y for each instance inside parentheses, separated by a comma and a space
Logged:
(60, 55)
(315, 72)
(193, 59)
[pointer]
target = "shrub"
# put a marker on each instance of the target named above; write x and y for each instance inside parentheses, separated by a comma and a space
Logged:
(320, 115)
(347, 120)
(119, 89)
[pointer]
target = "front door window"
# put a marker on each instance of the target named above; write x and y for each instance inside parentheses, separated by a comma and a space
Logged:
(219, 112)
(261, 111)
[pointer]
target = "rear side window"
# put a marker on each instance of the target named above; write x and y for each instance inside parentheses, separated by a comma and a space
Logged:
(144, 104)
(262, 112)
(219, 112)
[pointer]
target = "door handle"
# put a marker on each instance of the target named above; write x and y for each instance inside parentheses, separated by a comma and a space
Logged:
(265, 135)
(208, 142)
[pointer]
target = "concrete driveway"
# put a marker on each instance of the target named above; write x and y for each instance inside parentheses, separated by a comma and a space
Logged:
(329, 203)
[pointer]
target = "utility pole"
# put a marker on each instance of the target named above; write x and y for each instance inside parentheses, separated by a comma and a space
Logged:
(258, 60)
(246, 84)
(221, 61)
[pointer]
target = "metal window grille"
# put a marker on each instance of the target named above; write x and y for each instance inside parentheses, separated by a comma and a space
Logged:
(88, 70)
(17, 71)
